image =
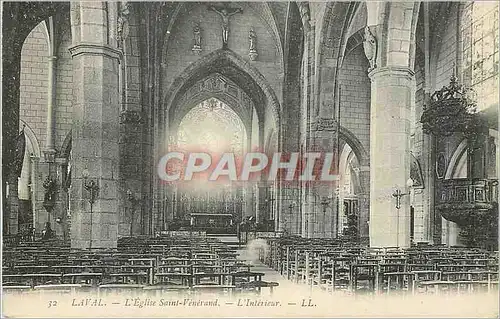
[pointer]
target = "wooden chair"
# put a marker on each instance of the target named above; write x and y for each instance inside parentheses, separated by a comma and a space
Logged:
(258, 285)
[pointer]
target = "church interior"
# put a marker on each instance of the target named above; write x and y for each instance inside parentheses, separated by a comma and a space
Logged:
(405, 94)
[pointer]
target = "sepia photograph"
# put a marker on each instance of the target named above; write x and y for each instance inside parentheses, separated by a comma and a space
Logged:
(250, 159)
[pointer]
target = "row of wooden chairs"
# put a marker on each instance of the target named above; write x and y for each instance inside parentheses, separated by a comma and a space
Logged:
(338, 266)
(165, 263)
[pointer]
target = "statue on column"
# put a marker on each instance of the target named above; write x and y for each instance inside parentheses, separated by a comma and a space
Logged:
(370, 46)
(197, 39)
(50, 193)
(225, 14)
(253, 45)
(122, 23)
(19, 153)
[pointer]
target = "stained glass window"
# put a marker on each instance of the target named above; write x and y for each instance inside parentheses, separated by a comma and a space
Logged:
(480, 51)
(212, 126)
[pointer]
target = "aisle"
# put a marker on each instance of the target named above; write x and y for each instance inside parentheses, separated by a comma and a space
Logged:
(287, 288)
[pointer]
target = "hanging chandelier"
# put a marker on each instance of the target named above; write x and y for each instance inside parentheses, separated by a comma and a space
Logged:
(451, 110)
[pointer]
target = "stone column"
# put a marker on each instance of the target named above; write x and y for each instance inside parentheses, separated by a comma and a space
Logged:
(11, 68)
(34, 186)
(95, 127)
(364, 205)
(13, 205)
(323, 221)
(262, 214)
(51, 99)
(45, 170)
(308, 212)
(389, 155)
(61, 204)
(248, 201)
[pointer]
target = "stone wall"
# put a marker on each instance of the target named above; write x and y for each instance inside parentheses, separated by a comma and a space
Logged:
(34, 82)
(64, 89)
(179, 55)
(355, 96)
(34, 85)
(33, 108)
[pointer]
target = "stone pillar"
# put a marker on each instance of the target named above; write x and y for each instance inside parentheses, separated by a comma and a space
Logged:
(257, 202)
(429, 176)
(131, 170)
(390, 156)
(288, 208)
(95, 127)
(248, 201)
(61, 204)
(33, 189)
(262, 215)
(44, 171)
(11, 69)
(13, 205)
(323, 222)
(364, 206)
(308, 212)
(51, 99)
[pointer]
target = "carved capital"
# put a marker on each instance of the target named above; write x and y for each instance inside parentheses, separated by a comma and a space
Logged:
(131, 117)
(325, 124)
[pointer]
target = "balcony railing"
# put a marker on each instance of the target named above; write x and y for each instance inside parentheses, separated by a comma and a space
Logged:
(461, 199)
(469, 191)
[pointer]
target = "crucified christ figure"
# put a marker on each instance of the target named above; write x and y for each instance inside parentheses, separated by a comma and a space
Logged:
(225, 13)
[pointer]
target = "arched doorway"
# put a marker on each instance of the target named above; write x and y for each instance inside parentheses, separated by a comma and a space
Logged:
(349, 188)
(27, 183)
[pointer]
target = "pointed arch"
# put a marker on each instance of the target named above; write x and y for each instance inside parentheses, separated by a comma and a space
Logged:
(356, 146)
(66, 146)
(230, 65)
(32, 140)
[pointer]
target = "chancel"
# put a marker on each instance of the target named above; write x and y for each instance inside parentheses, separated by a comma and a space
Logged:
(213, 146)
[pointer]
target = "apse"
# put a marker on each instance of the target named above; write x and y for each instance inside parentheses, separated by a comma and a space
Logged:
(212, 127)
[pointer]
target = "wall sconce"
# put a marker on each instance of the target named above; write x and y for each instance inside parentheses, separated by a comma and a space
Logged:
(398, 194)
(92, 187)
(325, 202)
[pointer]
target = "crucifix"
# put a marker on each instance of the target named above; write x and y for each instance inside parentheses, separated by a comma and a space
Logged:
(398, 194)
(225, 12)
